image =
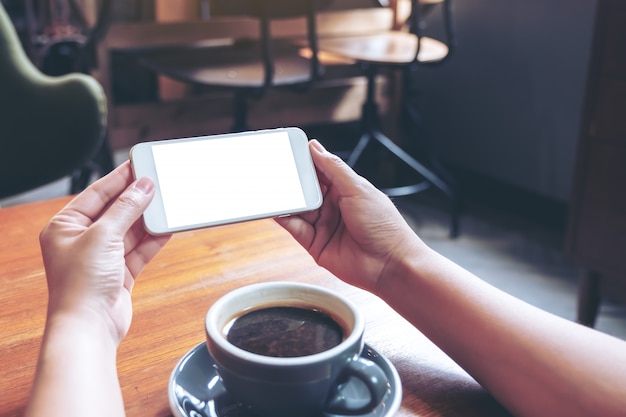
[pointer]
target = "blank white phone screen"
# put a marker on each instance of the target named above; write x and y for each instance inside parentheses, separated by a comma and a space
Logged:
(211, 180)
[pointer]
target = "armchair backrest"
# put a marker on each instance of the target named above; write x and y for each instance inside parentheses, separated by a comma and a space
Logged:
(49, 126)
(14, 58)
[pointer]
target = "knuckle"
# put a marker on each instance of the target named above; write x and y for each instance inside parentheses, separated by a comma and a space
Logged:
(130, 200)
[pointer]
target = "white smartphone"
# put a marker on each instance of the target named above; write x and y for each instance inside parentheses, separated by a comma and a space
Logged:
(214, 180)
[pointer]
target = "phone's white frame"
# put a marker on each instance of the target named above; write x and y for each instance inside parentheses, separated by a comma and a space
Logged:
(155, 220)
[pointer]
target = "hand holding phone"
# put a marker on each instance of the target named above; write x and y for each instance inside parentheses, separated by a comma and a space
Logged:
(214, 180)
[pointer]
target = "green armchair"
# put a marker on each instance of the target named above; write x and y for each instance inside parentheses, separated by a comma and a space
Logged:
(50, 127)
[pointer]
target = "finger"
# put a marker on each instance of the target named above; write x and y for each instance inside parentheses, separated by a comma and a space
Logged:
(313, 215)
(301, 230)
(302, 226)
(87, 206)
(128, 207)
(134, 236)
(133, 240)
(144, 252)
(334, 172)
(325, 227)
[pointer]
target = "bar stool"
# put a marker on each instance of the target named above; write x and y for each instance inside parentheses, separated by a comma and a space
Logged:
(405, 50)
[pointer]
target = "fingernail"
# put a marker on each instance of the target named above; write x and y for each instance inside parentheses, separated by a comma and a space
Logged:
(317, 146)
(145, 185)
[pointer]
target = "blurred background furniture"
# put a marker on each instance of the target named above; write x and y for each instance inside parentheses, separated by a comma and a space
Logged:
(61, 35)
(135, 117)
(596, 238)
(247, 67)
(405, 50)
(50, 127)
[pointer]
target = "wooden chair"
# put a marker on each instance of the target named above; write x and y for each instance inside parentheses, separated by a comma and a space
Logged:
(406, 50)
(244, 66)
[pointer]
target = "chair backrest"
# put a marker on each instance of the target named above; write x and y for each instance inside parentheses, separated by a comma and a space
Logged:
(267, 10)
(72, 47)
(49, 126)
(415, 25)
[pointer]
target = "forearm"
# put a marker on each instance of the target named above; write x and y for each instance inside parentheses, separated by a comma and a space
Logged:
(533, 362)
(76, 373)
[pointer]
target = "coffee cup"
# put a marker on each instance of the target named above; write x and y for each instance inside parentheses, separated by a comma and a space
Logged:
(286, 349)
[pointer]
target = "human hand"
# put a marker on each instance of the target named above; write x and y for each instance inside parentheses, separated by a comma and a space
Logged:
(358, 233)
(96, 246)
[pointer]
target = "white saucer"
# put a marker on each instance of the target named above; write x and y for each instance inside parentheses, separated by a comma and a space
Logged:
(196, 390)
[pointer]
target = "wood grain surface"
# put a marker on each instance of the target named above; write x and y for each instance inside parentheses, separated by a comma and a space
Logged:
(171, 298)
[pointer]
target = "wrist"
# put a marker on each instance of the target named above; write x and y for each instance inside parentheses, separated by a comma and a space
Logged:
(84, 325)
(111, 313)
(402, 267)
(77, 358)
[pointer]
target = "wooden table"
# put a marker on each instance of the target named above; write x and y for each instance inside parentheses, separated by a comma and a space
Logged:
(171, 298)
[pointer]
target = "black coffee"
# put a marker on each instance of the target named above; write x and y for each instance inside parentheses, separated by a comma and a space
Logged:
(285, 332)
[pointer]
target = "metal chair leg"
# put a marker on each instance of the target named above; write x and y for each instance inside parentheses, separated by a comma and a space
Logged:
(589, 297)
(358, 150)
(370, 121)
(240, 111)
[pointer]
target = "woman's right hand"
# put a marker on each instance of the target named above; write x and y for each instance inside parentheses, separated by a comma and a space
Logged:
(357, 233)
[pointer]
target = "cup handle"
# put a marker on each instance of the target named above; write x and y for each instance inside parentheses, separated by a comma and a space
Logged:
(374, 379)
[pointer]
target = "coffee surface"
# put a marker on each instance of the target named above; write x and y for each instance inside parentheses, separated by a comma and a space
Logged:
(285, 332)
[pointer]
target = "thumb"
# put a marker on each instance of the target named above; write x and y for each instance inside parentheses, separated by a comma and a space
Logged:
(129, 206)
(335, 172)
